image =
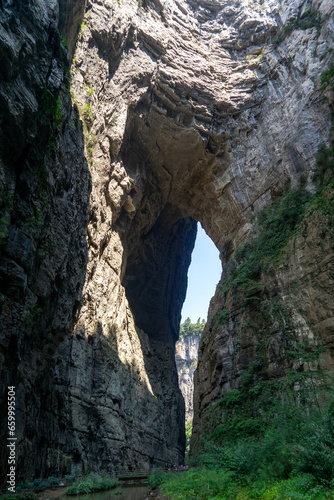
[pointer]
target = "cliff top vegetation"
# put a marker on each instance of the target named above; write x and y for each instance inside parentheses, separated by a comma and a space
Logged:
(187, 328)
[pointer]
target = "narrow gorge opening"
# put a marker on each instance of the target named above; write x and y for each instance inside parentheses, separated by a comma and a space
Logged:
(203, 275)
(171, 113)
(174, 257)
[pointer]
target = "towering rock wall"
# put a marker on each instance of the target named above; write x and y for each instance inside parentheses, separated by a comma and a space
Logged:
(295, 304)
(188, 111)
(186, 354)
(44, 201)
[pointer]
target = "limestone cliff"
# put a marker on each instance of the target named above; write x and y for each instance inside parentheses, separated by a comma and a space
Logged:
(186, 353)
(188, 111)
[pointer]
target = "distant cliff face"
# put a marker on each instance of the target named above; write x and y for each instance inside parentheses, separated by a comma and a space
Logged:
(171, 113)
(186, 354)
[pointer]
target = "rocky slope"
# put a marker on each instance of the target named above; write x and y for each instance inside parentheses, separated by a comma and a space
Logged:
(186, 354)
(189, 111)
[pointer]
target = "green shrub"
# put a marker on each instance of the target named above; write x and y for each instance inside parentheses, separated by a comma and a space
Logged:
(157, 478)
(231, 398)
(327, 78)
(53, 481)
(221, 317)
(92, 483)
(69, 479)
(24, 485)
(72, 490)
(324, 163)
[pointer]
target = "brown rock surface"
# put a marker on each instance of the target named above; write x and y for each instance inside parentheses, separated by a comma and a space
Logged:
(189, 112)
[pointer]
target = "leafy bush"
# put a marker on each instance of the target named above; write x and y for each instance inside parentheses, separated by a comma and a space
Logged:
(91, 484)
(327, 78)
(157, 478)
(231, 398)
(69, 479)
(221, 317)
(293, 458)
(24, 485)
(72, 490)
(53, 481)
(279, 222)
(324, 163)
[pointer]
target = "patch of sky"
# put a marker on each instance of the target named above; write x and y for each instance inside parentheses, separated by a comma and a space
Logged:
(203, 276)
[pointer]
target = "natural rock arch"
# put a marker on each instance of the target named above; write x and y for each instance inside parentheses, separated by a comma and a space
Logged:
(189, 113)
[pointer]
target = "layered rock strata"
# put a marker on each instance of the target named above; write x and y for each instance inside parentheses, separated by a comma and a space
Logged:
(188, 112)
(186, 354)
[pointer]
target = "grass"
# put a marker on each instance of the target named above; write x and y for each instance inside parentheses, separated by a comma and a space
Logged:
(289, 454)
(22, 496)
(215, 484)
(91, 484)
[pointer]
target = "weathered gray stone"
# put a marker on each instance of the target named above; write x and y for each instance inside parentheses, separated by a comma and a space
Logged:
(186, 353)
(188, 112)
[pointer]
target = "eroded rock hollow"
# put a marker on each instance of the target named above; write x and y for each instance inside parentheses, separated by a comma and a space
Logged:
(171, 113)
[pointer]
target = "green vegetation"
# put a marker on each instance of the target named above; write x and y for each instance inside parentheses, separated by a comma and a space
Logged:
(63, 45)
(3, 230)
(213, 484)
(6, 206)
(92, 484)
(188, 328)
(221, 317)
(22, 496)
(157, 478)
(87, 118)
(278, 224)
(91, 140)
(189, 429)
(83, 27)
(269, 439)
(325, 164)
(327, 79)
(310, 19)
(51, 106)
(36, 485)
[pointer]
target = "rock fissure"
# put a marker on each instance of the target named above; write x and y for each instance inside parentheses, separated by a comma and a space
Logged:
(188, 113)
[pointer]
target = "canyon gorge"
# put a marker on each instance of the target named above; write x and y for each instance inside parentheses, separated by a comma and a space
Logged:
(123, 124)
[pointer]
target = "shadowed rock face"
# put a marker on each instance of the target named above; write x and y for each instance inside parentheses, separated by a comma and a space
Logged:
(188, 113)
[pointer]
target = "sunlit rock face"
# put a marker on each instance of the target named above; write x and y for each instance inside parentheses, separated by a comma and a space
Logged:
(188, 112)
(186, 354)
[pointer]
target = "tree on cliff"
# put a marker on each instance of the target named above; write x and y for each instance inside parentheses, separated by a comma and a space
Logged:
(188, 328)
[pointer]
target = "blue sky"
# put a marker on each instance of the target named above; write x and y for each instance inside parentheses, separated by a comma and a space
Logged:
(203, 276)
